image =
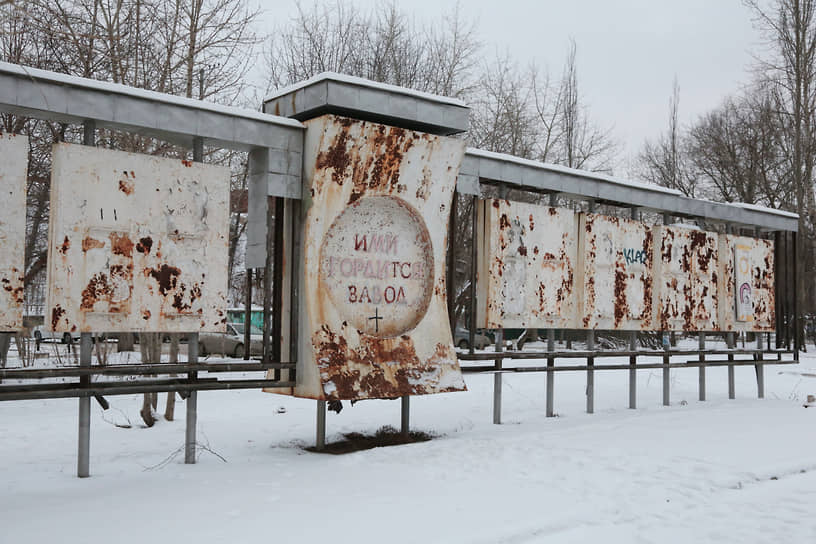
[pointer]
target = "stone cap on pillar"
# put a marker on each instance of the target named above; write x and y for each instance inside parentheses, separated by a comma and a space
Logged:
(358, 98)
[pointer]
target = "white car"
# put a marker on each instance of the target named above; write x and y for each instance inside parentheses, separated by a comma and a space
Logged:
(231, 342)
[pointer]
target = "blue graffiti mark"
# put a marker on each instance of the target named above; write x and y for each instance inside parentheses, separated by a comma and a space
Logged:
(634, 256)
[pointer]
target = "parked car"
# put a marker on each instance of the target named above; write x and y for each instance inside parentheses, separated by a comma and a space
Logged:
(231, 342)
(461, 339)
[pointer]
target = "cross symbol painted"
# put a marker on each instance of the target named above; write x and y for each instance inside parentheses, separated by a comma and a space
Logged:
(376, 317)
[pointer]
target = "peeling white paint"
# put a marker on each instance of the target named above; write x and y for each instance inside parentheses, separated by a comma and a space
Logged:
(13, 172)
(136, 243)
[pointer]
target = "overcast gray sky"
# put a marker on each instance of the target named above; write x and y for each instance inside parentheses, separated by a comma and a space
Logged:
(628, 51)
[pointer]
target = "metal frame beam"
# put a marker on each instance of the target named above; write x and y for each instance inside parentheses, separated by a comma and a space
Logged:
(480, 167)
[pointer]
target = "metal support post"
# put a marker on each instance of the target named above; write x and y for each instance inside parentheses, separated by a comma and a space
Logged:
(450, 273)
(633, 341)
(760, 373)
(320, 439)
(198, 150)
(85, 353)
(473, 264)
(497, 378)
(294, 288)
(406, 416)
(192, 359)
(268, 349)
(248, 313)
(666, 378)
(274, 243)
(590, 387)
(732, 342)
(633, 371)
(702, 374)
(550, 373)
(192, 403)
(84, 443)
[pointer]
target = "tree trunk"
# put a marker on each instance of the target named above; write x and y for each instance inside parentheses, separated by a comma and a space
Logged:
(171, 396)
(125, 342)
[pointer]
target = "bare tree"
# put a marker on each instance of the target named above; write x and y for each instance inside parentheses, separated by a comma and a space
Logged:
(201, 49)
(503, 118)
(383, 45)
(790, 63)
(584, 145)
(664, 161)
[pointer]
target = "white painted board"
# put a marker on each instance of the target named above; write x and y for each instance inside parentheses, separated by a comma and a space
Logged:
(747, 290)
(136, 243)
(686, 270)
(527, 266)
(13, 171)
(616, 274)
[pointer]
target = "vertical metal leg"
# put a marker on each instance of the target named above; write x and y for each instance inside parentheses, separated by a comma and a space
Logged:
(633, 371)
(760, 374)
(191, 403)
(702, 371)
(666, 377)
(450, 272)
(248, 313)
(590, 387)
(550, 374)
(320, 439)
(497, 379)
(84, 442)
(474, 222)
(732, 391)
(406, 416)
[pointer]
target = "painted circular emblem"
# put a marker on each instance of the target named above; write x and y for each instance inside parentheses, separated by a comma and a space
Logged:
(376, 263)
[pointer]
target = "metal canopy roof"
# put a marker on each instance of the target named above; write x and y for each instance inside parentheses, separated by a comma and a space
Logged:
(277, 142)
(482, 166)
(370, 101)
(58, 97)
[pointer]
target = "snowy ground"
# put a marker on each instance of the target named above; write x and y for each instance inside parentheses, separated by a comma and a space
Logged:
(716, 471)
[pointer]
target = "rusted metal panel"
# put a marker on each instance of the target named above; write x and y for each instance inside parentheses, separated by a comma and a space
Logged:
(13, 169)
(616, 273)
(747, 297)
(527, 266)
(686, 275)
(373, 301)
(136, 243)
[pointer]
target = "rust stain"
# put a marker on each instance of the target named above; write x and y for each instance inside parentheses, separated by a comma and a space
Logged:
(146, 314)
(166, 276)
(66, 245)
(378, 368)
(337, 158)
(56, 314)
(144, 245)
(91, 243)
(121, 244)
(424, 189)
(126, 186)
(98, 288)
(187, 163)
(621, 303)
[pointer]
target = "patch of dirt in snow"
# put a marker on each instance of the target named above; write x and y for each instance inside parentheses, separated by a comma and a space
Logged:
(385, 436)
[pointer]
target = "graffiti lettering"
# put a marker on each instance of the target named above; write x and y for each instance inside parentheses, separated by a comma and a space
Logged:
(634, 256)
